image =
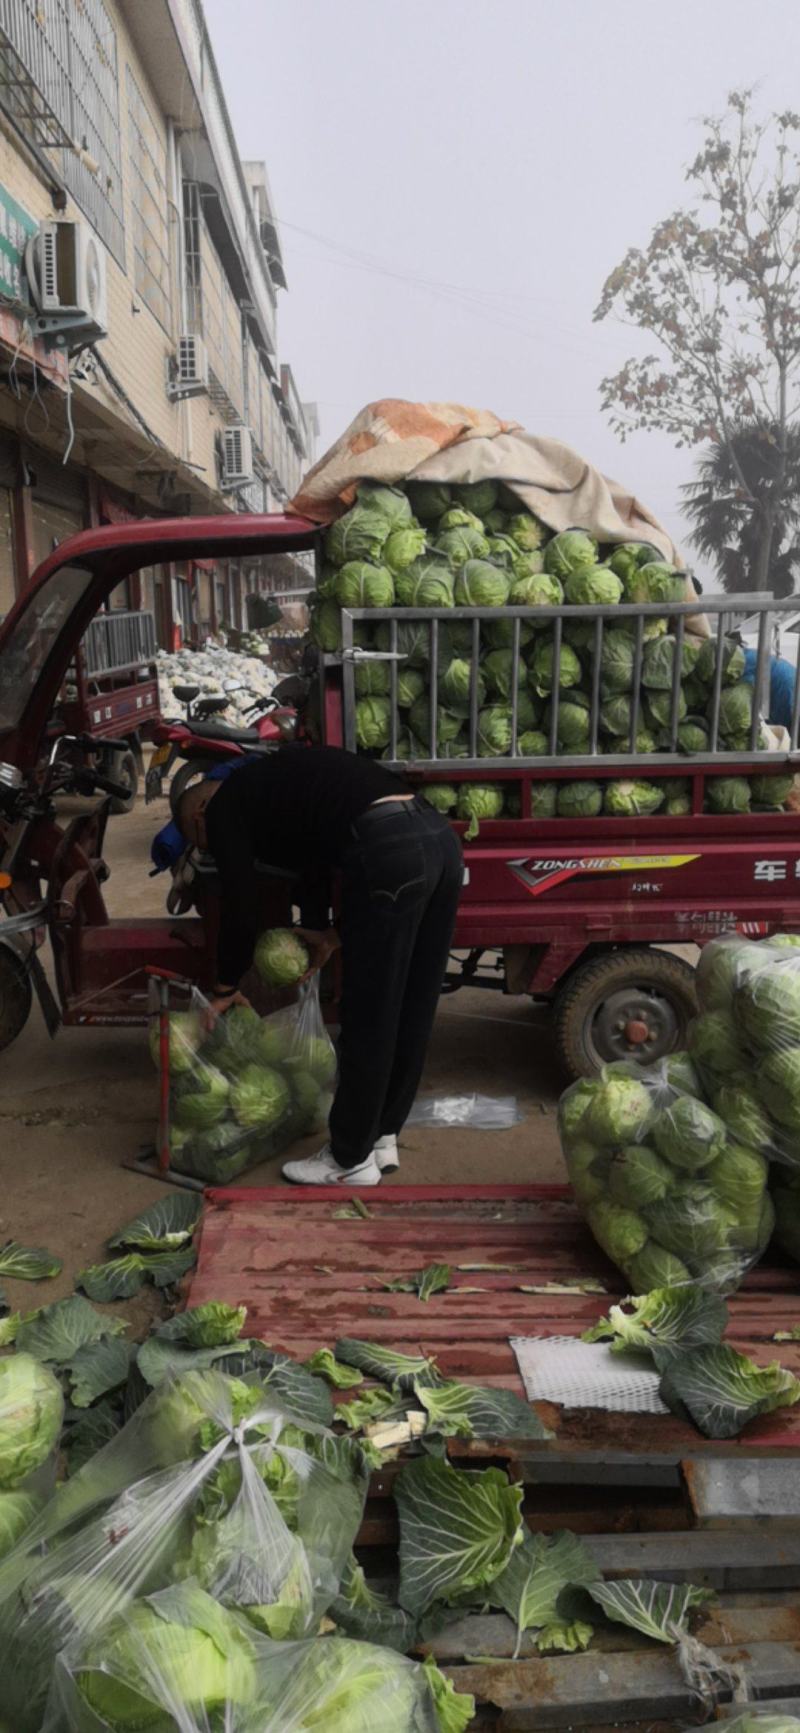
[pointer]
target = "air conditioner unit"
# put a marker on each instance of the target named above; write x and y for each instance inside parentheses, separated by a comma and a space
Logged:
(188, 367)
(237, 457)
(66, 269)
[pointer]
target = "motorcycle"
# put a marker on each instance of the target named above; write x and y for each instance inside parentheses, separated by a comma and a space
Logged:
(201, 741)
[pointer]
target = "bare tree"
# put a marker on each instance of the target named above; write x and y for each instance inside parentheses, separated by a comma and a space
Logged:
(718, 287)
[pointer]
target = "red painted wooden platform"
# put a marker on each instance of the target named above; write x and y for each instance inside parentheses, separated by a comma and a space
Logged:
(308, 1277)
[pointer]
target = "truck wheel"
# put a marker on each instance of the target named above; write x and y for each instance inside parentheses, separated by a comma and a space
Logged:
(16, 996)
(126, 770)
(631, 1004)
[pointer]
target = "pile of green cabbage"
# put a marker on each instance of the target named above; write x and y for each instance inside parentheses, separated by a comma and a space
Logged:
(426, 545)
(672, 1193)
(246, 1088)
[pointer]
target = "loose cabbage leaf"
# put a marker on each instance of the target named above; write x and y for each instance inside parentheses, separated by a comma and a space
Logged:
(325, 1365)
(27, 1263)
(564, 1639)
(164, 1225)
(457, 1531)
(90, 1433)
(404, 1370)
(306, 1398)
(361, 1611)
(432, 1280)
(122, 1277)
(531, 1587)
(478, 1411)
(659, 1610)
(722, 1389)
(671, 1319)
(56, 1332)
(373, 1405)
(454, 1710)
(98, 1368)
(212, 1325)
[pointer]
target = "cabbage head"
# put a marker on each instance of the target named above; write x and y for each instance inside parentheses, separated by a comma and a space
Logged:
(735, 708)
(713, 1041)
(235, 1039)
(770, 791)
(580, 800)
(281, 958)
(481, 585)
(476, 801)
(783, 941)
(692, 1221)
(459, 546)
(31, 1412)
(693, 735)
(678, 800)
(185, 1036)
(747, 1122)
(653, 1267)
(359, 535)
(305, 1093)
(203, 1100)
(455, 685)
(738, 1177)
(495, 521)
(413, 640)
(389, 502)
(181, 1648)
(536, 591)
(574, 1106)
(498, 668)
(571, 551)
(372, 679)
(442, 796)
(573, 727)
(457, 517)
(542, 667)
(448, 724)
(733, 662)
(616, 715)
(428, 499)
(658, 708)
(728, 793)
(402, 547)
(658, 664)
(526, 530)
(632, 799)
(616, 662)
(778, 1085)
(410, 686)
(725, 964)
(326, 626)
(688, 1133)
(533, 744)
(498, 634)
(373, 723)
(544, 799)
(455, 638)
(621, 1110)
(655, 582)
(680, 1074)
(628, 556)
(426, 583)
(17, 1511)
(638, 1176)
(360, 585)
(620, 1232)
(526, 565)
(506, 552)
(588, 1171)
(276, 1038)
(593, 586)
(479, 497)
(494, 731)
(260, 1097)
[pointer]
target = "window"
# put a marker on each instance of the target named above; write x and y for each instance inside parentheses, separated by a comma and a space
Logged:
(58, 79)
(213, 310)
(148, 173)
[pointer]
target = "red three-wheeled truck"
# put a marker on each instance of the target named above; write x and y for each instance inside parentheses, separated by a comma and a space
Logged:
(571, 911)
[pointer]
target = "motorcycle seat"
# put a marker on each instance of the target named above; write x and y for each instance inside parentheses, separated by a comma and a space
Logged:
(224, 731)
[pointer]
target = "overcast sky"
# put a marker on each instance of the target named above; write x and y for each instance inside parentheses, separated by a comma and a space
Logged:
(454, 181)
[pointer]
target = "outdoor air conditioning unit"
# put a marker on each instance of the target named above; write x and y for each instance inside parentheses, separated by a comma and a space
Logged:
(66, 269)
(237, 457)
(188, 368)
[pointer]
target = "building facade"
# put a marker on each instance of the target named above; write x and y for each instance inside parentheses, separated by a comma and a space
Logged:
(123, 198)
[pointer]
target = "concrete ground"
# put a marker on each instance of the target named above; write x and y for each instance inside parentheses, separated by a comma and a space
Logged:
(72, 1110)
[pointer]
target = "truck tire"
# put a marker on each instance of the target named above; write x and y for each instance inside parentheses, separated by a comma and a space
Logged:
(633, 1003)
(16, 996)
(124, 768)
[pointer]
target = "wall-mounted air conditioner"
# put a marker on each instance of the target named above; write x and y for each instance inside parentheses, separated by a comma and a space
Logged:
(187, 373)
(237, 457)
(66, 269)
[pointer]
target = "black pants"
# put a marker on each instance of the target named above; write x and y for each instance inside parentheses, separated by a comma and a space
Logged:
(401, 882)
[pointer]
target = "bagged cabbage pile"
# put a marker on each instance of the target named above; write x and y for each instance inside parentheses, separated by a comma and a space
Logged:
(670, 1193)
(212, 1497)
(31, 1414)
(746, 1045)
(425, 545)
(243, 1090)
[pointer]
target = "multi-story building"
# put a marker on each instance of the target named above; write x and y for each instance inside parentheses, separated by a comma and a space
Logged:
(123, 198)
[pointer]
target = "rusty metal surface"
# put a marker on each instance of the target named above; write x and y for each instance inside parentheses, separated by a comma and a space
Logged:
(309, 1275)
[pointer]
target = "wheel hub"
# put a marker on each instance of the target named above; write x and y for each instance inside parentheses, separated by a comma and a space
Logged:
(636, 1022)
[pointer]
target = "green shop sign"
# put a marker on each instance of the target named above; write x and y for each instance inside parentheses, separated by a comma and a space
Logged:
(16, 225)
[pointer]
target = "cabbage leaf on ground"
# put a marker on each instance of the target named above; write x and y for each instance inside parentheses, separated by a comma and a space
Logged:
(659, 1610)
(722, 1389)
(674, 1319)
(457, 1531)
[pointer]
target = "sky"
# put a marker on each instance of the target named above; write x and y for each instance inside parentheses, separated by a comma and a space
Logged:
(454, 181)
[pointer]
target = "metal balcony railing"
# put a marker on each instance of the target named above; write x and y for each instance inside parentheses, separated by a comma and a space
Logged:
(118, 640)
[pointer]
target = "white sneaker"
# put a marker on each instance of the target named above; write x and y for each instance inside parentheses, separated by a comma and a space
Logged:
(387, 1154)
(321, 1169)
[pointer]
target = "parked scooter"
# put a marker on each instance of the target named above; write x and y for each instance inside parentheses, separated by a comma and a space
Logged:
(203, 739)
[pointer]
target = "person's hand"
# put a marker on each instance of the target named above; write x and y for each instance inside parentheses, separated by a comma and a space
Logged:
(321, 947)
(219, 1003)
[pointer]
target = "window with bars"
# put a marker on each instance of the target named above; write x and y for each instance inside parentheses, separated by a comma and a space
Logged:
(213, 310)
(148, 183)
(58, 81)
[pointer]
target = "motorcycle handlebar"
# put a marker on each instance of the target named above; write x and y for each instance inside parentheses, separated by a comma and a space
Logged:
(90, 780)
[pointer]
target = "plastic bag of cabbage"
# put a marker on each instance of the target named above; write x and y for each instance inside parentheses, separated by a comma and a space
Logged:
(244, 1089)
(177, 1662)
(746, 1040)
(669, 1193)
(211, 1483)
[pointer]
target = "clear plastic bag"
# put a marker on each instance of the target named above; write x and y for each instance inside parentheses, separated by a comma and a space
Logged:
(746, 1040)
(178, 1663)
(473, 1112)
(666, 1192)
(243, 1087)
(211, 1484)
(31, 1416)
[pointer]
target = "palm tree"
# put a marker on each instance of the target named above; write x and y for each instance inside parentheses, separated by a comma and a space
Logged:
(746, 489)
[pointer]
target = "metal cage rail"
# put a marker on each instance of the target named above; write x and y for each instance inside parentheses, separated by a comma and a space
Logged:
(118, 640)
